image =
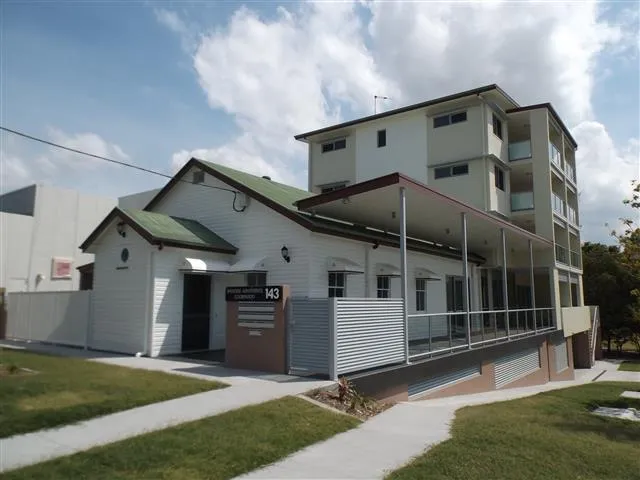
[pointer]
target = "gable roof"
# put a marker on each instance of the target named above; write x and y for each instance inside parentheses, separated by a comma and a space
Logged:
(159, 229)
(282, 199)
(408, 108)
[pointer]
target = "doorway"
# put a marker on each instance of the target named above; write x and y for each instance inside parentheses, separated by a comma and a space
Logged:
(196, 312)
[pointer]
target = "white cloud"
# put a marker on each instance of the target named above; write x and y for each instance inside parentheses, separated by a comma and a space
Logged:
(85, 142)
(306, 67)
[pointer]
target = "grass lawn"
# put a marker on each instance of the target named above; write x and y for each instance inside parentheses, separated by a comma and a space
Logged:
(218, 447)
(546, 437)
(630, 366)
(65, 390)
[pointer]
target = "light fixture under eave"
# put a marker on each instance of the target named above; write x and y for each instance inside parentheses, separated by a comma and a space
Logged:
(346, 200)
(284, 251)
(120, 229)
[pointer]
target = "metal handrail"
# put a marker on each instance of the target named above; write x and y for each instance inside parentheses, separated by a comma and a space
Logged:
(594, 334)
(472, 312)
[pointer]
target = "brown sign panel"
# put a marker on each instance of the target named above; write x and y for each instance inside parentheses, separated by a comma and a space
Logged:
(266, 293)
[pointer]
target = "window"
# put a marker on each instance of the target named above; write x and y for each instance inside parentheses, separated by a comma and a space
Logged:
(444, 172)
(384, 286)
(421, 295)
(382, 138)
(331, 188)
(334, 145)
(499, 178)
(337, 284)
(256, 279)
(497, 126)
(449, 119)
(198, 176)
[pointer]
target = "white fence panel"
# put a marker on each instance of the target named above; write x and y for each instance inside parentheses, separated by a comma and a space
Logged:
(369, 333)
(54, 317)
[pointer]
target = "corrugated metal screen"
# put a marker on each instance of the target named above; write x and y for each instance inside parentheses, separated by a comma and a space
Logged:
(369, 333)
(562, 359)
(308, 336)
(516, 365)
(436, 383)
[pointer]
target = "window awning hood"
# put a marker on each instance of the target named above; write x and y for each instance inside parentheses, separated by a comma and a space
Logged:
(204, 265)
(344, 265)
(387, 269)
(426, 274)
(251, 264)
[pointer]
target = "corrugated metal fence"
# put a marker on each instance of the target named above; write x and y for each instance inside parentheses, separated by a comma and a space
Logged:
(369, 333)
(308, 336)
(55, 317)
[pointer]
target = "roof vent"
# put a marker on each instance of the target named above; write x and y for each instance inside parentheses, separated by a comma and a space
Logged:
(266, 177)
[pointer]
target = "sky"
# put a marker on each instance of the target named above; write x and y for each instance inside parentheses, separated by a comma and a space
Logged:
(154, 83)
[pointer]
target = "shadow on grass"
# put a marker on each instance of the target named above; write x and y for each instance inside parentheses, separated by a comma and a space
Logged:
(611, 428)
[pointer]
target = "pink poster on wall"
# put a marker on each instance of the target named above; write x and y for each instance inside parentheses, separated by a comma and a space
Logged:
(61, 268)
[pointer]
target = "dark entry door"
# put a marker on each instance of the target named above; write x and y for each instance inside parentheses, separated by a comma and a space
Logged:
(196, 308)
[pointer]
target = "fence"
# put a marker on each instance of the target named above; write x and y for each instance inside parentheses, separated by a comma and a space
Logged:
(53, 317)
(308, 336)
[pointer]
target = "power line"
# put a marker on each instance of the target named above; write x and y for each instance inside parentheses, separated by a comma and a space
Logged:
(111, 160)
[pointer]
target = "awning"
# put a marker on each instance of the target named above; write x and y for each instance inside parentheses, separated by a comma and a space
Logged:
(387, 270)
(251, 264)
(344, 265)
(201, 265)
(426, 274)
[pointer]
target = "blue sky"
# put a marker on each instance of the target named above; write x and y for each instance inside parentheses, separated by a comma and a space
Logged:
(161, 89)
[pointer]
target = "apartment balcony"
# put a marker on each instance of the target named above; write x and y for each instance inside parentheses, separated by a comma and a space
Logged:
(519, 150)
(575, 259)
(558, 204)
(572, 215)
(570, 172)
(521, 201)
(554, 156)
(561, 255)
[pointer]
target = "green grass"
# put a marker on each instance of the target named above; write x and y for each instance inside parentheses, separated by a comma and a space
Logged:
(630, 366)
(551, 436)
(67, 390)
(218, 447)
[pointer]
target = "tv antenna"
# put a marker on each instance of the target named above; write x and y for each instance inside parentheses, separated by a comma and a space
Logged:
(375, 102)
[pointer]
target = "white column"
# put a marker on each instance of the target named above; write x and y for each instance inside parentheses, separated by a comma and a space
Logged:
(403, 269)
(533, 286)
(465, 274)
(505, 286)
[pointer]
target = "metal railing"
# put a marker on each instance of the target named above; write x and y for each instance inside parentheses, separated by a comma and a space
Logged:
(561, 254)
(522, 201)
(572, 215)
(440, 333)
(575, 258)
(519, 150)
(554, 155)
(557, 203)
(594, 333)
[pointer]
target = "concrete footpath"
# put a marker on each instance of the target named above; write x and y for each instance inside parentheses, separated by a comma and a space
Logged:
(248, 389)
(393, 438)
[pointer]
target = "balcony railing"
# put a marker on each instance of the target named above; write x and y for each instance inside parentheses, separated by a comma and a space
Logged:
(558, 204)
(554, 155)
(570, 172)
(521, 201)
(575, 259)
(561, 255)
(519, 150)
(572, 215)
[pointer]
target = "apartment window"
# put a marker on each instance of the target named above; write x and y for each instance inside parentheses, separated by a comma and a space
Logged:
(382, 138)
(331, 188)
(421, 295)
(337, 284)
(383, 286)
(256, 279)
(497, 126)
(449, 119)
(499, 178)
(334, 145)
(454, 171)
(198, 176)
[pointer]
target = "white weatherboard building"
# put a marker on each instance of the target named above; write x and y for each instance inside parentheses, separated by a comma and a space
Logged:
(404, 209)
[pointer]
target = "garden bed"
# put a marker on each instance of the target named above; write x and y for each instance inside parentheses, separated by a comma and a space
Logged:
(345, 398)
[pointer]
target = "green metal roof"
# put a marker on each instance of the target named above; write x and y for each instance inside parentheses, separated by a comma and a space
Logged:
(178, 231)
(284, 195)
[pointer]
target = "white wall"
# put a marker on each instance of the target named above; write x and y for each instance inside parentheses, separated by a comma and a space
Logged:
(121, 296)
(137, 201)
(331, 167)
(15, 237)
(470, 188)
(458, 141)
(405, 152)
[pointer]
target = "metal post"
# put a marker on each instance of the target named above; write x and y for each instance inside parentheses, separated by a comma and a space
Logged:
(403, 269)
(465, 274)
(533, 286)
(505, 286)
(333, 339)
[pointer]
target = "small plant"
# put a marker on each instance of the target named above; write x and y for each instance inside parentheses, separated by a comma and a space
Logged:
(12, 368)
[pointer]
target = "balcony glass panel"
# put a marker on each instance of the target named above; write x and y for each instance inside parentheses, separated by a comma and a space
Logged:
(572, 216)
(561, 254)
(570, 172)
(558, 204)
(554, 155)
(575, 259)
(521, 201)
(519, 150)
